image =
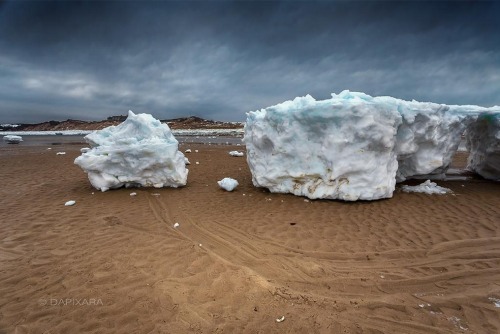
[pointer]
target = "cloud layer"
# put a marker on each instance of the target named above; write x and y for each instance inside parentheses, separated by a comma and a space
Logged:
(220, 59)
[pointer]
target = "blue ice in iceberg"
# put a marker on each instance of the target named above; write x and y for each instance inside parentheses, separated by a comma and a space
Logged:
(353, 146)
(141, 151)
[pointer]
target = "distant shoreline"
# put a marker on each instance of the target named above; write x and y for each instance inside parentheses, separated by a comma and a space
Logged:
(85, 127)
(177, 132)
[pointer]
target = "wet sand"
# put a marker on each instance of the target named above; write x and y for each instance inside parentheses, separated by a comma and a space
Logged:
(54, 141)
(114, 263)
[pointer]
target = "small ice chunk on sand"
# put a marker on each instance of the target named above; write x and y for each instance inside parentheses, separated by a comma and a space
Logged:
(196, 151)
(133, 194)
(197, 162)
(176, 225)
(495, 301)
(12, 139)
(228, 183)
(188, 150)
(236, 154)
(69, 203)
(427, 187)
(60, 153)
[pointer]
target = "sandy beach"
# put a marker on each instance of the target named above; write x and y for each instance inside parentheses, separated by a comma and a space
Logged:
(238, 261)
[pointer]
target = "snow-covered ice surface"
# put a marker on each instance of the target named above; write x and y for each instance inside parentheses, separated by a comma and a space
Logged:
(428, 137)
(483, 142)
(236, 154)
(177, 132)
(342, 148)
(352, 146)
(208, 132)
(13, 139)
(141, 151)
(48, 133)
(228, 183)
(427, 187)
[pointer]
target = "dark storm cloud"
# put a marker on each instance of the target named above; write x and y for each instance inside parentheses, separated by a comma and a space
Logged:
(219, 59)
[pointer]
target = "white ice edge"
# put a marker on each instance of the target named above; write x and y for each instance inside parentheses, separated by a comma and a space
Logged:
(183, 132)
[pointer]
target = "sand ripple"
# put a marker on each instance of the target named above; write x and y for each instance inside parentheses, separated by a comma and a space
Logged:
(115, 263)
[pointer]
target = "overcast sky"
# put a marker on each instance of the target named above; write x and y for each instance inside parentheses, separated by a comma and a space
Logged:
(220, 59)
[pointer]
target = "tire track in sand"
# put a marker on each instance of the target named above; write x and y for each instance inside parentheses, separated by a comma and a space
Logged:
(231, 248)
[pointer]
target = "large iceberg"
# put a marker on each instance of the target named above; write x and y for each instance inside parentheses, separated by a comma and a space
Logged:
(141, 151)
(483, 142)
(342, 148)
(352, 146)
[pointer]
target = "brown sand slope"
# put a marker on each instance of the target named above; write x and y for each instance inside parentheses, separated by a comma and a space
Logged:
(114, 263)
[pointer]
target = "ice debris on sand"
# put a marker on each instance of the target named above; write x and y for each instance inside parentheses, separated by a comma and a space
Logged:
(483, 142)
(496, 301)
(12, 139)
(70, 203)
(427, 187)
(228, 183)
(141, 151)
(84, 149)
(352, 146)
(60, 153)
(236, 154)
